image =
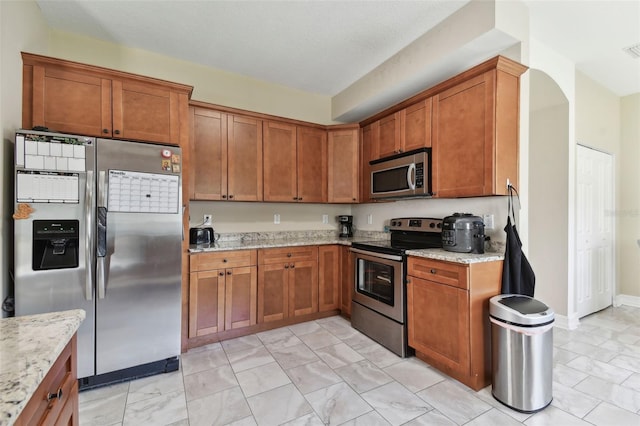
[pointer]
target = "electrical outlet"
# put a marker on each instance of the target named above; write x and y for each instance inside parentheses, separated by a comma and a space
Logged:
(369, 219)
(325, 218)
(488, 221)
(207, 219)
(276, 218)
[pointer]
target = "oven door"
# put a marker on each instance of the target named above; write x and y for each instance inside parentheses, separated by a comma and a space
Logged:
(379, 283)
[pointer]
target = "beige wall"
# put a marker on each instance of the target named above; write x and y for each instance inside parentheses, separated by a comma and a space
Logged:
(210, 85)
(548, 189)
(22, 29)
(629, 198)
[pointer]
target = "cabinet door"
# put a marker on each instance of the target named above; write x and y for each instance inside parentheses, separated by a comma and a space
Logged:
(389, 139)
(463, 135)
(241, 303)
(279, 145)
(244, 158)
(303, 288)
(368, 152)
(438, 322)
(347, 273)
(273, 292)
(343, 166)
(328, 278)
(145, 112)
(312, 165)
(68, 102)
(208, 172)
(206, 302)
(416, 125)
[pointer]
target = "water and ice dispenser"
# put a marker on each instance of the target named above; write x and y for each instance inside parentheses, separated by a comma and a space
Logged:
(55, 244)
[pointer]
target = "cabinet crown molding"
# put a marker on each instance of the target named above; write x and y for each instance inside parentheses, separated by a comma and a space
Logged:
(33, 59)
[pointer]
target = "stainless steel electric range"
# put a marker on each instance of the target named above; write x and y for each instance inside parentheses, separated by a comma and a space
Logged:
(379, 305)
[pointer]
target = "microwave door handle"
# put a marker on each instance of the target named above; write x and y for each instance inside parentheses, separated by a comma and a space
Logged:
(411, 176)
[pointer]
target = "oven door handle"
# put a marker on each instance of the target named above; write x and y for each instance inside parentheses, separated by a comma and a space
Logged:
(375, 254)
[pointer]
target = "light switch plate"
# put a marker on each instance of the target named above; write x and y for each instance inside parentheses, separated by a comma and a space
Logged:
(325, 218)
(276, 219)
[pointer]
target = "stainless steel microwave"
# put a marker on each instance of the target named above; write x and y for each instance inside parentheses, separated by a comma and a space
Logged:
(402, 175)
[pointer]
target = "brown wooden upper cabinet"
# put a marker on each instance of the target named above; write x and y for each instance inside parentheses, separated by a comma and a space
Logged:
(295, 163)
(368, 152)
(475, 134)
(402, 131)
(343, 178)
(226, 156)
(75, 98)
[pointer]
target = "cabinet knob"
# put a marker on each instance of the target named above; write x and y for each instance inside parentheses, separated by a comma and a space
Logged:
(286, 266)
(58, 395)
(228, 272)
(353, 199)
(299, 198)
(230, 196)
(117, 132)
(221, 273)
(292, 265)
(433, 271)
(105, 131)
(224, 196)
(295, 198)
(224, 260)
(288, 254)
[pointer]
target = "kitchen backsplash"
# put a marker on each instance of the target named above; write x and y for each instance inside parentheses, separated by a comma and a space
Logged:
(242, 218)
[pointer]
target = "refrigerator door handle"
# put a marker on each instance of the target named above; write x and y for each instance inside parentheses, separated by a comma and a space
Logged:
(101, 251)
(88, 240)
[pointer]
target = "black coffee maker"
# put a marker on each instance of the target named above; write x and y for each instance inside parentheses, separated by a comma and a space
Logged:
(346, 226)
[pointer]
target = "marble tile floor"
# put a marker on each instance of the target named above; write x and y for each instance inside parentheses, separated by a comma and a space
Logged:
(325, 372)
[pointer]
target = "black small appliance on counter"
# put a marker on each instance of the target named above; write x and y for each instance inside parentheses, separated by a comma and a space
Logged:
(463, 233)
(346, 226)
(201, 235)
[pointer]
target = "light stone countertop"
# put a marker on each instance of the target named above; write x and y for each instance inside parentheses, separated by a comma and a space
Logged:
(29, 346)
(271, 243)
(440, 254)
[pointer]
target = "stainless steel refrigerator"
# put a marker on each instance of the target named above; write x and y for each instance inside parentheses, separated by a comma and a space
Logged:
(98, 226)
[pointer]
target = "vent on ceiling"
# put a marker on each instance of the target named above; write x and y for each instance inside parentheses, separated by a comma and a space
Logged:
(634, 50)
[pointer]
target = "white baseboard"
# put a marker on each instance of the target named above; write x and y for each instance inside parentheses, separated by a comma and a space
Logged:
(623, 299)
(567, 323)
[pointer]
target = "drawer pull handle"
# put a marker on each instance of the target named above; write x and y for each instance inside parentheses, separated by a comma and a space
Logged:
(58, 395)
(433, 271)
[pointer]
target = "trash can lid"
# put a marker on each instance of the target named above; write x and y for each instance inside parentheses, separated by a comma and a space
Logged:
(519, 309)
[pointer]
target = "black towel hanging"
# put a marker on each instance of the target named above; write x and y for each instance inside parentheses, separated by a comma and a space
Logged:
(517, 274)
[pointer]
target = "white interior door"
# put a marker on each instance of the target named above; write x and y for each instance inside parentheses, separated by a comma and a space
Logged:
(595, 230)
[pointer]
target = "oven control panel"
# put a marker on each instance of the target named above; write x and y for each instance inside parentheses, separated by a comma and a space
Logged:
(421, 224)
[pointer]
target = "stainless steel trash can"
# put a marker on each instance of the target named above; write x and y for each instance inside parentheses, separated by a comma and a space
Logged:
(522, 352)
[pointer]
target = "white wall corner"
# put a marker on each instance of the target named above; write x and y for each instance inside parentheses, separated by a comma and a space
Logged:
(570, 322)
(623, 299)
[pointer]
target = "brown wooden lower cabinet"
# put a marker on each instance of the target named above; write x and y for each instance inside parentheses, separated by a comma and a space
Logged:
(225, 298)
(448, 316)
(238, 292)
(329, 277)
(347, 272)
(62, 381)
(287, 282)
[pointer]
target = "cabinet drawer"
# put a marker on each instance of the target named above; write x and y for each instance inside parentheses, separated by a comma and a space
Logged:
(448, 273)
(222, 259)
(287, 254)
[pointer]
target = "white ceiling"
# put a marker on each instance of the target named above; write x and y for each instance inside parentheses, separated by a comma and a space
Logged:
(325, 46)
